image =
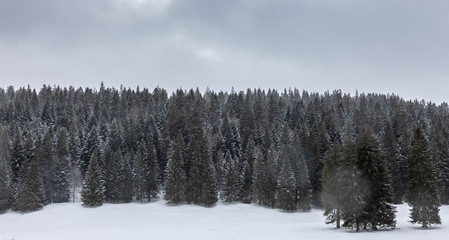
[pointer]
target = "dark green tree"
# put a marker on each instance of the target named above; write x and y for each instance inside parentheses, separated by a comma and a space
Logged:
(92, 193)
(61, 185)
(379, 209)
(247, 175)
(30, 195)
(303, 200)
(286, 185)
(5, 183)
(152, 176)
(422, 191)
(140, 174)
(231, 179)
(202, 186)
(175, 178)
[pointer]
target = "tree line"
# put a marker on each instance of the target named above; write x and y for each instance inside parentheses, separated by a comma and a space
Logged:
(354, 156)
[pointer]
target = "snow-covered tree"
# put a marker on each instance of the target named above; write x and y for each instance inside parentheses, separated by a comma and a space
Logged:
(92, 193)
(422, 192)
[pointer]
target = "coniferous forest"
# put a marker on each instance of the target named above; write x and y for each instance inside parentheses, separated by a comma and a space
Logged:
(354, 156)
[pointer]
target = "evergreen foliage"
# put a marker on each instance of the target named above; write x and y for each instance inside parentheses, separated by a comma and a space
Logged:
(175, 178)
(92, 194)
(5, 184)
(133, 134)
(231, 179)
(30, 194)
(422, 192)
(379, 211)
(286, 197)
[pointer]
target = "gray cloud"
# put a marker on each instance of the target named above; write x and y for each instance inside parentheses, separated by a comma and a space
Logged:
(386, 46)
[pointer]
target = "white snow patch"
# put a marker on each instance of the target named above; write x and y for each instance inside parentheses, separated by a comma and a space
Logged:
(156, 220)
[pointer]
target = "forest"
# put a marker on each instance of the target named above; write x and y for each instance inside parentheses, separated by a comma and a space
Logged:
(354, 156)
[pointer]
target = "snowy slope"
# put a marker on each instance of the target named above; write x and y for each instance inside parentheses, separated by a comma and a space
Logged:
(158, 221)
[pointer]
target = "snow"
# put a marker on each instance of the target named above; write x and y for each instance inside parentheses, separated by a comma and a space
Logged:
(156, 220)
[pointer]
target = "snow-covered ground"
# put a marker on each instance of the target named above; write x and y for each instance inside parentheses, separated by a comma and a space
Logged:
(158, 221)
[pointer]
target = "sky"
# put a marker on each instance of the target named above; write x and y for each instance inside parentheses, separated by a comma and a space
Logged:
(383, 46)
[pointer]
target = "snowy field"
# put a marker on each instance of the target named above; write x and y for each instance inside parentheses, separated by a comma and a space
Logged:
(158, 221)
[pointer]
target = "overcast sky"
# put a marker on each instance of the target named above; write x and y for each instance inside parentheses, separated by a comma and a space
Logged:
(382, 46)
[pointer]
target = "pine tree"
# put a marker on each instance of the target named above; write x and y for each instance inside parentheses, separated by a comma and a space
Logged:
(89, 148)
(271, 177)
(5, 171)
(286, 185)
(5, 183)
(202, 187)
(422, 194)
(259, 180)
(140, 174)
(354, 188)
(125, 178)
(61, 190)
(30, 194)
(92, 193)
(332, 185)
(153, 172)
(231, 179)
(394, 163)
(303, 185)
(379, 209)
(175, 178)
(247, 175)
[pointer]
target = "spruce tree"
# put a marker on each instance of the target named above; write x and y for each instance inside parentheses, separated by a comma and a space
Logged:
(286, 185)
(175, 178)
(5, 171)
(152, 176)
(354, 190)
(5, 183)
(92, 193)
(332, 186)
(247, 175)
(379, 209)
(303, 200)
(202, 187)
(259, 179)
(30, 194)
(231, 179)
(271, 177)
(422, 192)
(140, 174)
(61, 190)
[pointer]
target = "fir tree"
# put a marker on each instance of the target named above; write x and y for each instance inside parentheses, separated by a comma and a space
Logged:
(286, 186)
(422, 194)
(152, 176)
(303, 185)
(379, 209)
(332, 186)
(202, 188)
(247, 175)
(140, 174)
(61, 190)
(354, 188)
(175, 178)
(271, 177)
(30, 193)
(89, 148)
(92, 193)
(5, 183)
(259, 180)
(125, 178)
(231, 179)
